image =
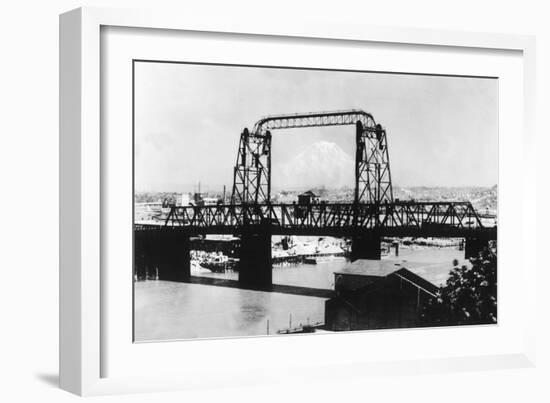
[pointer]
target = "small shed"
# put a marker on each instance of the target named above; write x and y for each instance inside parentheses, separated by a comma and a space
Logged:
(308, 198)
(382, 294)
(395, 300)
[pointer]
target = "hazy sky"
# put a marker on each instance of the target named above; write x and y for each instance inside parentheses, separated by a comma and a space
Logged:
(188, 119)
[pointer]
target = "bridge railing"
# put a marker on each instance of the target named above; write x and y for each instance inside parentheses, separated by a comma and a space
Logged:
(329, 215)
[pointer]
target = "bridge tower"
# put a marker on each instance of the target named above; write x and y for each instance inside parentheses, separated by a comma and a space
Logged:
(372, 165)
(252, 174)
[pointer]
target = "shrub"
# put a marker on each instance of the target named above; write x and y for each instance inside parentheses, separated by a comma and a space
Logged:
(469, 296)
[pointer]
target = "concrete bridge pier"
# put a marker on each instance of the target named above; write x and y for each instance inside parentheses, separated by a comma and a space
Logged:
(366, 245)
(166, 251)
(174, 260)
(474, 245)
(255, 257)
(140, 255)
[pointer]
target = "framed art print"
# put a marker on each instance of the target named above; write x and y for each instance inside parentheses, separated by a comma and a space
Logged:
(297, 197)
(304, 228)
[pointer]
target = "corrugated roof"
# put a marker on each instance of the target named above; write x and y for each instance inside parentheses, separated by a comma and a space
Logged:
(353, 297)
(366, 267)
(435, 272)
(416, 280)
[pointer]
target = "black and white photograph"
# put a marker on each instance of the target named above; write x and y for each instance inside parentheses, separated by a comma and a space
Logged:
(272, 200)
(280, 202)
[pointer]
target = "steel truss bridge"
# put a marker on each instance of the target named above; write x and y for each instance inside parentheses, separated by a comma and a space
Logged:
(252, 215)
(444, 219)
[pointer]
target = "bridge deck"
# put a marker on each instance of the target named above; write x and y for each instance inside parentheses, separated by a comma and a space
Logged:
(417, 219)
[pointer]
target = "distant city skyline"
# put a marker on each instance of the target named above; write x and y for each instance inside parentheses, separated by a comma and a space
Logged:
(442, 131)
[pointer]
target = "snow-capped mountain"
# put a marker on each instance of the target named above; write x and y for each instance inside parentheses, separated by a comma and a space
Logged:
(321, 164)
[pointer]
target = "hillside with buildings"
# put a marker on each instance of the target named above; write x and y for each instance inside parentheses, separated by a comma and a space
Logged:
(484, 199)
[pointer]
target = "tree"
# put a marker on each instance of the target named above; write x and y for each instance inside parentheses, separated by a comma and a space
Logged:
(469, 296)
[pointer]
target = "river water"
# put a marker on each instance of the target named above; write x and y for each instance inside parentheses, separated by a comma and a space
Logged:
(167, 310)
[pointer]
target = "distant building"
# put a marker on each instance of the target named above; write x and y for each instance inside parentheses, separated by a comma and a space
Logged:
(377, 297)
(183, 200)
(210, 201)
(308, 198)
(147, 211)
(200, 200)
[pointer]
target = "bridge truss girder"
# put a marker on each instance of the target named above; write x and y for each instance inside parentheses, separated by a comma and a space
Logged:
(421, 218)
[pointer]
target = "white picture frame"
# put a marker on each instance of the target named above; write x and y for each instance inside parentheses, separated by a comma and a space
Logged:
(82, 176)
